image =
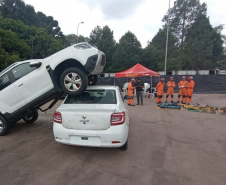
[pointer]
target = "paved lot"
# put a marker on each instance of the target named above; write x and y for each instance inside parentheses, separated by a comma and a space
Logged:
(166, 147)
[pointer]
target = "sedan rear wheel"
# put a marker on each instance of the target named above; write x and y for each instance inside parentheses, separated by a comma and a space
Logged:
(73, 81)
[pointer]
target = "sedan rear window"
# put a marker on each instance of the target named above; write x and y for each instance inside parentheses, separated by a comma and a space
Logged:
(93, 97)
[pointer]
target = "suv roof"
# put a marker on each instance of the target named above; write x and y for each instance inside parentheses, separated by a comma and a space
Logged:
(16, 63)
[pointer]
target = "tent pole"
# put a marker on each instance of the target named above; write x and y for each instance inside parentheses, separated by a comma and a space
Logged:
(114, 81)
(151, 83)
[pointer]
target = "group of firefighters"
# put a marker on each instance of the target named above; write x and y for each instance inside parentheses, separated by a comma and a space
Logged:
(185, 90)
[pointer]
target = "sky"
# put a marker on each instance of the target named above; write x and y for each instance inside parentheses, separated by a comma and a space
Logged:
(141, 17)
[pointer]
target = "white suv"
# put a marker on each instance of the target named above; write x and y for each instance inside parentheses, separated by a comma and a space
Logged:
(27, 85)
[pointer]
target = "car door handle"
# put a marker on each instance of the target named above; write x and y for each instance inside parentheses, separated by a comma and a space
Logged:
(20, 85)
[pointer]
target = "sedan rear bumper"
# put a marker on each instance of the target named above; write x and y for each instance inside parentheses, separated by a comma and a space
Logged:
(115, 136)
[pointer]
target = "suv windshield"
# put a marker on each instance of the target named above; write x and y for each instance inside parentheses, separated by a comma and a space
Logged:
(100, 96)
(83, 45)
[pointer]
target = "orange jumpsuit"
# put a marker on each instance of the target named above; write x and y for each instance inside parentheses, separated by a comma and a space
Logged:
(190, 88)
(170, 90)
(183, 90)
(160, 91)
(130, 93)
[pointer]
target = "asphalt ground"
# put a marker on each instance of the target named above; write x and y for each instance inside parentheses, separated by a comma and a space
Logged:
(166, 147)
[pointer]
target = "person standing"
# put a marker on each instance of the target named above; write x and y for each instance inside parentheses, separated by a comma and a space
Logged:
(130, 92)
(160, 90)
(170, 85)
(190, 88)
(182, 90)
(140, 91)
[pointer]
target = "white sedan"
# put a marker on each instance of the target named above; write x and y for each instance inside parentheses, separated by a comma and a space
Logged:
(97, 118)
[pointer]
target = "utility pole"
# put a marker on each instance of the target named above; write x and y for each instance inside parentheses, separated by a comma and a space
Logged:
(167, 36)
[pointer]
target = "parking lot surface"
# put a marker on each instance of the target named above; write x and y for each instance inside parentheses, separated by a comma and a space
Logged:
(166, 147)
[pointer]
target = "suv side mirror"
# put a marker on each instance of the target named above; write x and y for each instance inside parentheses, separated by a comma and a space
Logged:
(127, 97)
(36, 64)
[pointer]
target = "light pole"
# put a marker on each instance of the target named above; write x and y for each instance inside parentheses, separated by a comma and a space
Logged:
(77, 30)
(32, 44)
(167, 35)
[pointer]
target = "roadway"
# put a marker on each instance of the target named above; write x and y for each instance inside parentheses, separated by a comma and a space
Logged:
(166, 147)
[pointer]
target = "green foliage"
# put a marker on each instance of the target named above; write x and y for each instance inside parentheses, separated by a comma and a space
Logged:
(195, 45)
(182, 16)
(18, 10)
(20, 42)
(12, 44)
(128, 52)
(70, 39)
(154, 54)
(12, 48)
(104, 40)
(193, 42)
(199, 44)
(6, 58)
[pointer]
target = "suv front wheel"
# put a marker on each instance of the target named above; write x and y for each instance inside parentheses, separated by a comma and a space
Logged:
(73, 81)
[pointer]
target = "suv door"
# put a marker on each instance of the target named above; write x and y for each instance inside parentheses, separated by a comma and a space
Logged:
(31, 82)
(10, 100)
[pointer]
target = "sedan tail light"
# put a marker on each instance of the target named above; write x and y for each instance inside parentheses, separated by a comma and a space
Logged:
(57, 117)
(118, 118)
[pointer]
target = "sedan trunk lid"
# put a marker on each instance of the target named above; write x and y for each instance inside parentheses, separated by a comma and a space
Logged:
(87, 116)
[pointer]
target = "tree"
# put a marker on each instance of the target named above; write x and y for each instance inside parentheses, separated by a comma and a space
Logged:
(104, 40)
(154, 53)
(95, 36)
(38, 42)
(203, 44)
(221, 63)
(14, 45)
(18, 10)
(127, 54)
(12, 48)
(182, 16)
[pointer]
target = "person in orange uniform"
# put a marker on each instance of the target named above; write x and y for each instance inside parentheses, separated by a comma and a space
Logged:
(182, 90)
(170, 85)
(190, 88)
(130, 92)
(160, 90)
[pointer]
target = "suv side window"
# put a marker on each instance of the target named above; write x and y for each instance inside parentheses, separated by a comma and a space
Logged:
(4, 81)
(22, 70)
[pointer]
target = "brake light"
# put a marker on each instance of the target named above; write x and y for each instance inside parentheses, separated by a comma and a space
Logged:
(57, 117)
(118, 118)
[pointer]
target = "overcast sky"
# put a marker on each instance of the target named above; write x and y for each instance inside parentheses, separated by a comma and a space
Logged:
(142, 17)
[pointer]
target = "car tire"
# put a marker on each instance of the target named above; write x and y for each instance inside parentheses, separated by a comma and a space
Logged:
(31, 116)
(69, 85)
(4, 126)
(125, 146)
(94, 80)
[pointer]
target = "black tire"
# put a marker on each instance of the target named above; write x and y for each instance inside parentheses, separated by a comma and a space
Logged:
(31, 116)
(4, 126)
(125, 146)
(93, 80)
(81, 84)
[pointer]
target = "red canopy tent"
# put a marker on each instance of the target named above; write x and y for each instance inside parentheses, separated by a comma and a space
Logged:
(137, 71)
